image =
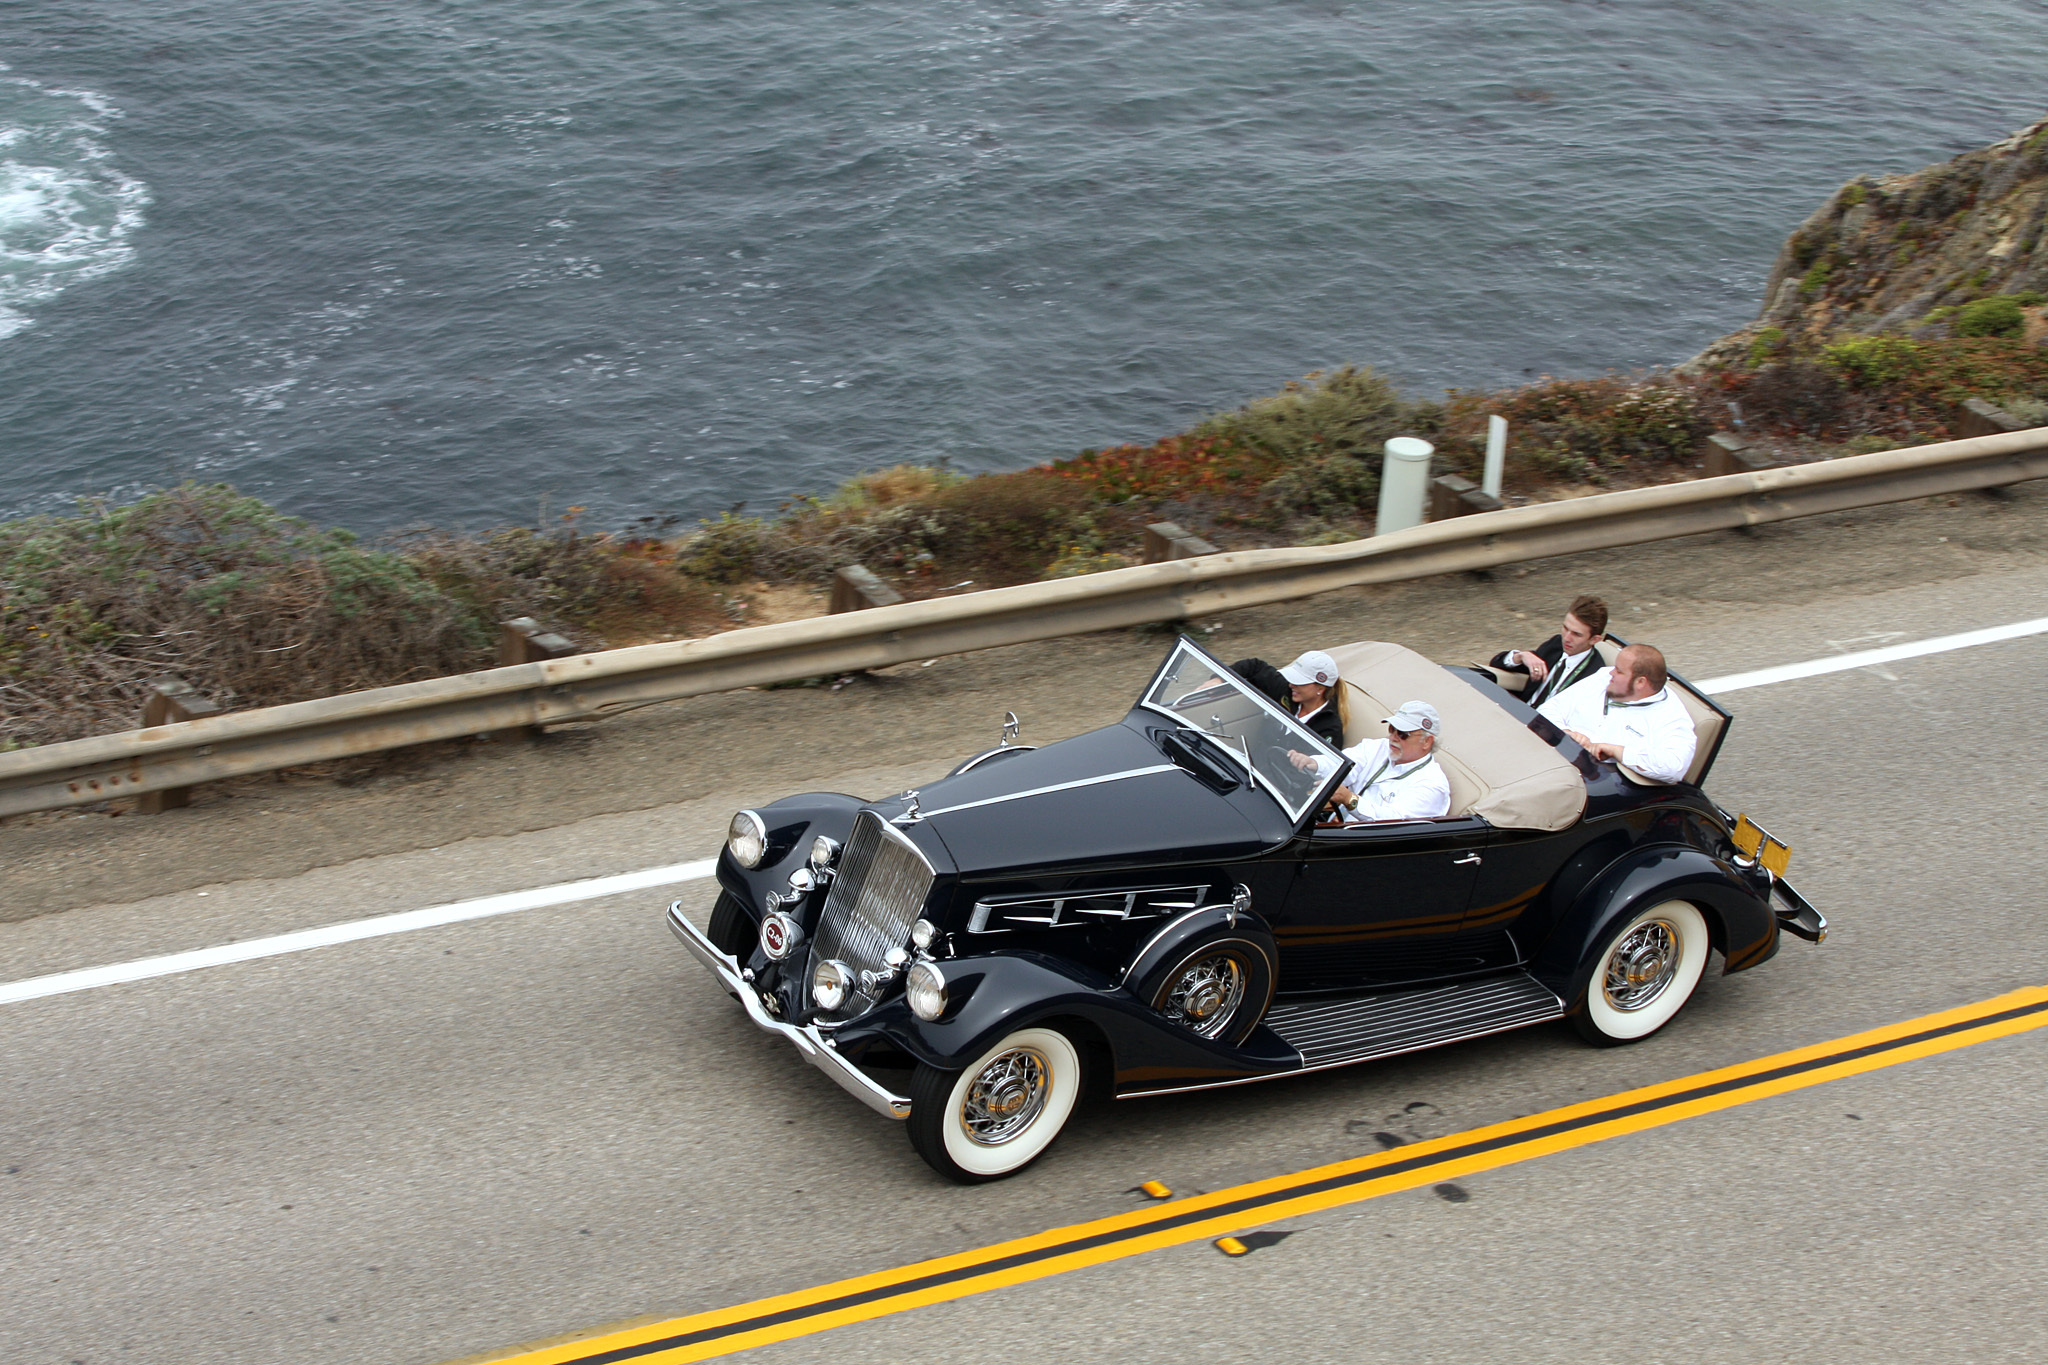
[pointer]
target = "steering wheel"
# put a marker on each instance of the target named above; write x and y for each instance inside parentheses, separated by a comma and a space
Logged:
(1296, 782)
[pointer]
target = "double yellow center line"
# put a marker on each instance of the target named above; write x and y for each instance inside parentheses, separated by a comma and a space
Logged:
(726, 1330)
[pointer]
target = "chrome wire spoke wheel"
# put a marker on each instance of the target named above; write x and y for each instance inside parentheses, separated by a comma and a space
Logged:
(1007, 1094)
(1644, 973)
(1642, 965)
(1205, 993)
(994, 1116)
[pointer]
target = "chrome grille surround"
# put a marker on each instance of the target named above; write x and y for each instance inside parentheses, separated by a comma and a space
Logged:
(878, 891)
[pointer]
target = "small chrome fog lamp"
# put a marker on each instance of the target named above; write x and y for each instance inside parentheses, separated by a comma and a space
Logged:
(747, 839)
(925, 990)
(830, 984)
(923, 935)
(824, 849)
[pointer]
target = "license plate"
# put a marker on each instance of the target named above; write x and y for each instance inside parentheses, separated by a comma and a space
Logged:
(1758, 843)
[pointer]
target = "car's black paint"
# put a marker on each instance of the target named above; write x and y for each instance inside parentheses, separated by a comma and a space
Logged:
(1346, 912)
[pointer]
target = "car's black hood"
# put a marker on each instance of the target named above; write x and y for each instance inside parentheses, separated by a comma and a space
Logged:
(1109, 798)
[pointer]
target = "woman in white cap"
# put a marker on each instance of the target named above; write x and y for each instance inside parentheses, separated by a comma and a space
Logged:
(1307, 687)
(1396, 778)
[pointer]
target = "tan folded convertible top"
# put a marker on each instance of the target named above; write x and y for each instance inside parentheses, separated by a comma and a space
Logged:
(1498, 770)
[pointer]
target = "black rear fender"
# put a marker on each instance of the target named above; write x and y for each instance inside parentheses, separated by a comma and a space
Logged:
(1737, 911)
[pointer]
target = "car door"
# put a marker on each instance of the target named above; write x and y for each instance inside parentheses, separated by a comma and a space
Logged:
(1379, 904)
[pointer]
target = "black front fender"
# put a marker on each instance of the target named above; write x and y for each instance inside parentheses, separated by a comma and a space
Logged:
(991, 997)
(1737, 910)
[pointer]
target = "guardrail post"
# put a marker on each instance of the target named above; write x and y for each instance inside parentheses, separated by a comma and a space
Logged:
(523, 640)
(1165, 540)
(1453, 495)
(1981, 417)
(1728, 453)
(1404, 485)
(855, 588)
(170, 701)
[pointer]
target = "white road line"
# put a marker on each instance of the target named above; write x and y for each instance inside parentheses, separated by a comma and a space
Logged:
(403, 923)
(1842, 663)
(35, 988)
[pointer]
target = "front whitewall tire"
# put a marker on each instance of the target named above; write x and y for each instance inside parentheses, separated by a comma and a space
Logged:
(998, 1114)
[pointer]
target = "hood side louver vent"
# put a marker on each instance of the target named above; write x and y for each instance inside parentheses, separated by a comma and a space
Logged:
(1004, 914)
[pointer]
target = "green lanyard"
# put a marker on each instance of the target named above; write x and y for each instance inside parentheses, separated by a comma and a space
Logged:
(1608, 703)
(1421, 763)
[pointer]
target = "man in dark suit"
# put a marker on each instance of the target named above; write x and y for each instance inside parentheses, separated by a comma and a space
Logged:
(1565, 657)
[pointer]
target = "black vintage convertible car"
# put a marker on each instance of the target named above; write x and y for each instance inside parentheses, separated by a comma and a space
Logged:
(1154, 906)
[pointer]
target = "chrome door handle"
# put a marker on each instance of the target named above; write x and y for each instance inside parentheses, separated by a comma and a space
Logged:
(1466, 861)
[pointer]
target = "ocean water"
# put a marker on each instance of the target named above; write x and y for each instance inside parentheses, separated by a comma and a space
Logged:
(411, 261)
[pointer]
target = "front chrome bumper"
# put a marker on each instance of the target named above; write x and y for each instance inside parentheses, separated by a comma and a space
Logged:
(809, 1040)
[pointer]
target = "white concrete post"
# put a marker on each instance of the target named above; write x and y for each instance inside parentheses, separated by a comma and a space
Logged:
(1496, 455)
(1404, 484)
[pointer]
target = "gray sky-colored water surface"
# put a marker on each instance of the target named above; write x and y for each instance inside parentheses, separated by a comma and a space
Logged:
(403, 262)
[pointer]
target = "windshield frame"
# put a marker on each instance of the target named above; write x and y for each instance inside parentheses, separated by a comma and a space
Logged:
(1308, 739)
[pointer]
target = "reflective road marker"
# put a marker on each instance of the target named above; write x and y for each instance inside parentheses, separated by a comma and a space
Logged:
(805, 1312)
(64, 982)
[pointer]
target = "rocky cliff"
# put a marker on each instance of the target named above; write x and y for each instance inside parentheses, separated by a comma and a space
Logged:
(1958, 248)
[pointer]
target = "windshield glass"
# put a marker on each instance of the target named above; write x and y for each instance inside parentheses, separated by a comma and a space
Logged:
(1199, 693)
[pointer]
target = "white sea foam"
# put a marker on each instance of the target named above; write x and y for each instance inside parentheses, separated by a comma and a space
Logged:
(66, 214)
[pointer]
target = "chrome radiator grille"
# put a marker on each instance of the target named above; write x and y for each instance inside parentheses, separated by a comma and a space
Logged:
(877, 893)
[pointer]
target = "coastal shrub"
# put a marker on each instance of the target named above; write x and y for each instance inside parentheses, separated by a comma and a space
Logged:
(250, 606)
(589, 587)
(1561, 426)
(1768, 342)
(1010, 524)
(724, 551)
(1347, 411)
(1334, 486)
(1176, 467)
(1076, 560)
(1795, 395)
(1997, 316)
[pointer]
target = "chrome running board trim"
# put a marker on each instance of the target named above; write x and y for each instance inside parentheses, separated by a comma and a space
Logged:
(816, 1048)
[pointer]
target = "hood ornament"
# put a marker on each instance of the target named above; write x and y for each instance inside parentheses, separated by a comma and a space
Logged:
(910, 814)
(1012, 727)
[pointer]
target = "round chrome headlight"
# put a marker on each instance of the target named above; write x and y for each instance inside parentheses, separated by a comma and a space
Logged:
(924, 934)
(747, 839)
(824, 849)
(925, 990)
(830, 984)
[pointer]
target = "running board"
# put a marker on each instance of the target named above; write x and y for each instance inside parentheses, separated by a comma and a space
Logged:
(1334, 1032)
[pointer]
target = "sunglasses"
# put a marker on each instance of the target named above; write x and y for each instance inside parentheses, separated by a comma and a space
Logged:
(1401, 734)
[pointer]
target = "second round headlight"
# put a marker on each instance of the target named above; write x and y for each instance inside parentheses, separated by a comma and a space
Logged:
(924, 988)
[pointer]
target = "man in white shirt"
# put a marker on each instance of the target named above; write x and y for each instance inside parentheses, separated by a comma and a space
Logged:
(1627, 714)
(1396, 778)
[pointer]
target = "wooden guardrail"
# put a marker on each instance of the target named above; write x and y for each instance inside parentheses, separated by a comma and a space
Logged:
(589, 686)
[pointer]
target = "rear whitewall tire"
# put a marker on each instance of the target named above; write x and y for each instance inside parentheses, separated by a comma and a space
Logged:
(998, 1114)
(1643, 974)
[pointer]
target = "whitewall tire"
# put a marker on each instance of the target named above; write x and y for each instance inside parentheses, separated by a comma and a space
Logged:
(1001, 1112)
(1644, 973)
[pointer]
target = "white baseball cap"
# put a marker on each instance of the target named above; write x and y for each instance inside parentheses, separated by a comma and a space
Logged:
(1312, 667)
(1417, 715)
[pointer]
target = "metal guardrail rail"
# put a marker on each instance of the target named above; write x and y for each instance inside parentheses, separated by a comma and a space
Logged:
(589, 686)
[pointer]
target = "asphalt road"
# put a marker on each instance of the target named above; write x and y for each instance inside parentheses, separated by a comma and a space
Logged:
(415, 1148)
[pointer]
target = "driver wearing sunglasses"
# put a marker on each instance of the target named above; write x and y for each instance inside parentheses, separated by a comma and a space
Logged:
(1396, 778)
